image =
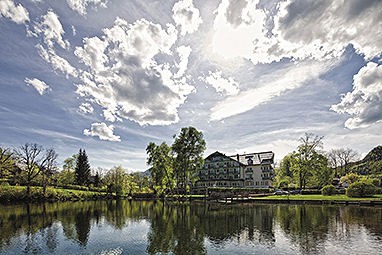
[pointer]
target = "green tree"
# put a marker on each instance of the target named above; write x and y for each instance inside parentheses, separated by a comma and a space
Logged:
(82, 169)
(305, 159)
(161, 162)
(188, 150)
(119, 182)
(6, 162)
(284, 173)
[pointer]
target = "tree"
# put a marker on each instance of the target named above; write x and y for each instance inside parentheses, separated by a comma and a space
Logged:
(118, 181)
(47, 167)
(304, 158)
(346, 155)
(6, 162)
(161, 162)
(188, 149)
(82, 170)
(32, 161)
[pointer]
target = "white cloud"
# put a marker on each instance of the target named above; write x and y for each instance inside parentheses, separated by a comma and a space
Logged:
(57, 62)
(17, 13)
(364, 103)
(81, 5)
(237, 37)
(142, 39)
(40, 86)
(51, 29)
(227, 86)
(186, 16)
(318, 30)
(103, 131)
(92, 54)
(271, 86)
(86, 108)
(126, 80)
(183, 52)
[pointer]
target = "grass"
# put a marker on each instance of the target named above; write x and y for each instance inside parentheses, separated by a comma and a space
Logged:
(319, 197)
(19, 193)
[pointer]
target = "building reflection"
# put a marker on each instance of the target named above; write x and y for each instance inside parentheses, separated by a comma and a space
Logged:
(183, 228)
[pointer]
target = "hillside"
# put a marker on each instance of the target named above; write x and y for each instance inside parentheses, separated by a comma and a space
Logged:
(371, 163)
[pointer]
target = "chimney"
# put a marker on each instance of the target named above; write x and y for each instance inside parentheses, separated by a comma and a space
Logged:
(237, 157)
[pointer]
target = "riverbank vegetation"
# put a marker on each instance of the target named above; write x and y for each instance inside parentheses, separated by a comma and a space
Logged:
(30, 172)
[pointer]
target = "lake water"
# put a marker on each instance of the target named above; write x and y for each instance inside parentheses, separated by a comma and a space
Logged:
(148, 227)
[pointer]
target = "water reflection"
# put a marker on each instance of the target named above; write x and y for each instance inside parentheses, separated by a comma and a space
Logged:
(156, 227)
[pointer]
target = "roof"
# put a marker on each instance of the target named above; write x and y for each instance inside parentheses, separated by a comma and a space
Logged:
(256, 158)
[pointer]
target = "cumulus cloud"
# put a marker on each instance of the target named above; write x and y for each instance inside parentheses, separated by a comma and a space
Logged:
(51, 29)
(81, 5)
(301, 29)
(272, 86)
(16, 13)
(103, 131)
(186, 16)
(86, 108)
(92, 54)
(40, 86)
(124, 77)
(364, 103)
(227, 86)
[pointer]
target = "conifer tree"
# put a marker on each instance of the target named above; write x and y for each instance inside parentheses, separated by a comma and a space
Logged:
(82, 169)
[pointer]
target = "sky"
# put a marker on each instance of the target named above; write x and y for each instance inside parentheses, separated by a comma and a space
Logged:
(111, 76)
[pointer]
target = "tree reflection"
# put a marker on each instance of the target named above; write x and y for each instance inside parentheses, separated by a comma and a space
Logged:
(184, 228)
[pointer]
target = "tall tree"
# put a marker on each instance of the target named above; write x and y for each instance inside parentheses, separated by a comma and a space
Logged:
(161, 162)
(188, 149)
(303, 159)
(82, 169)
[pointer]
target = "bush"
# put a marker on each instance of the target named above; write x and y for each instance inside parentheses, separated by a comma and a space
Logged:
(361, 189)
(328, 190)
(310, 192)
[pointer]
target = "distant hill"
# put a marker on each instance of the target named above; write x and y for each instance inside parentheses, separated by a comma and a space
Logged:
(374, 155)
(371, 163)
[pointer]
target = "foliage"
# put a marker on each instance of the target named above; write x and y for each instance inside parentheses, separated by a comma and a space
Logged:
(6, 162)
(82, 169)
(310, 192)
(65, 177)
(362, 188)
(119, 182)
(350, 178)
(188, 149)
(161, 162)
(328, 190)
(20, 193)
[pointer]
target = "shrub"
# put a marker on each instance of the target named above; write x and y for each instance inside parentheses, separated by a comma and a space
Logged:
(328, 190)
(310, 192)
(361, 189)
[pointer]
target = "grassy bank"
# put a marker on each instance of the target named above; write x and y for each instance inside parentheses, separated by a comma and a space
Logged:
(19, 193)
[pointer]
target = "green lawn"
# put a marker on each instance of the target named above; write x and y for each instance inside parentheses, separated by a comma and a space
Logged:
(319, 197)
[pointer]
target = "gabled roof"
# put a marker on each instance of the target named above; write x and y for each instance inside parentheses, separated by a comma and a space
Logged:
(256, 158)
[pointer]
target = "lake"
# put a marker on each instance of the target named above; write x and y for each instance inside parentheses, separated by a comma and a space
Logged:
(149, 227)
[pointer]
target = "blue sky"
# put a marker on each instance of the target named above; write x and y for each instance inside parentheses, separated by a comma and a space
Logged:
(112, 76)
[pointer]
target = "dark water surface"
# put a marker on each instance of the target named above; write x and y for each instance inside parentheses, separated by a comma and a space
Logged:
(130, 227)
